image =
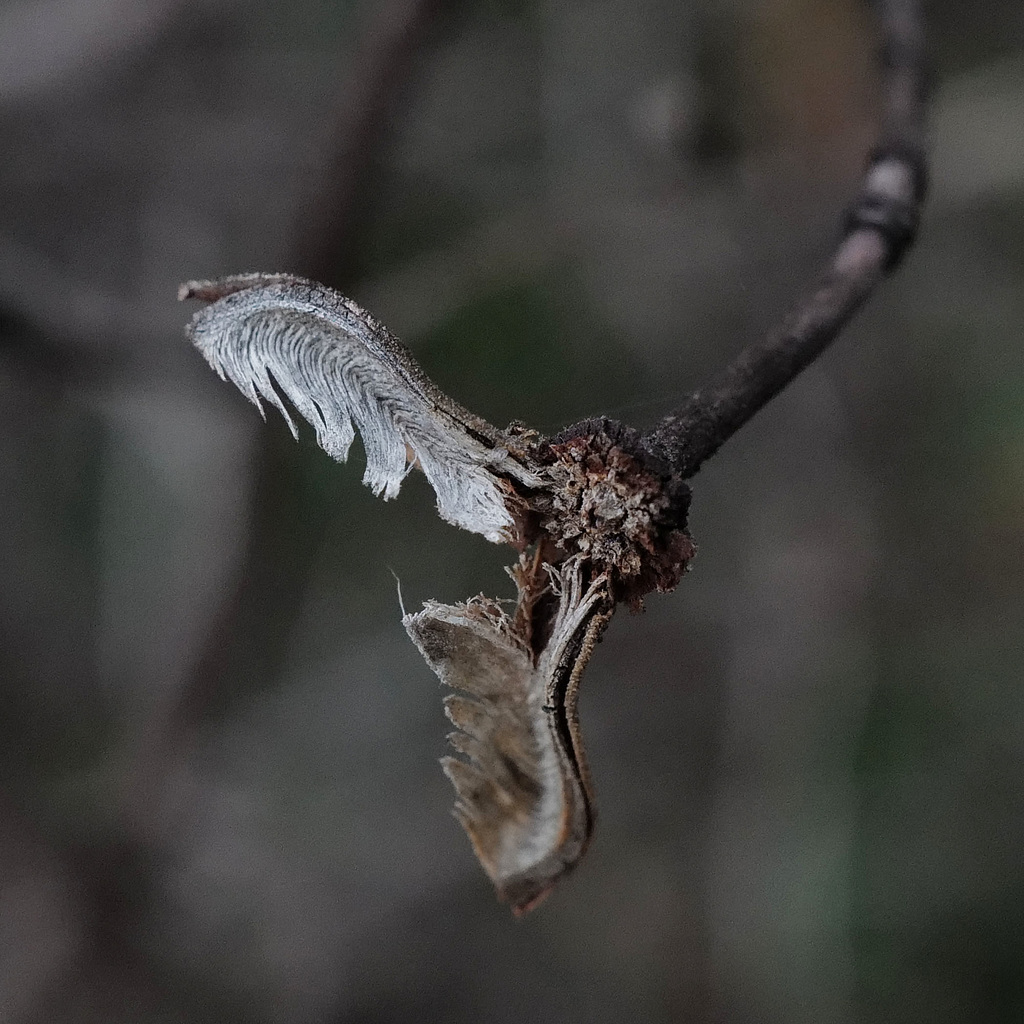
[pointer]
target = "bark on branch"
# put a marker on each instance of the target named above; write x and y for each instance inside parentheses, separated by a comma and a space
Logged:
(877, 229)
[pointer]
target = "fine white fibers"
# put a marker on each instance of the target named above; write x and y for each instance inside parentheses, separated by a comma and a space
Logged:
(344, 373)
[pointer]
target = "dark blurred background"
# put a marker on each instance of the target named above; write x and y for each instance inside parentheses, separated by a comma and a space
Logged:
(219, 791)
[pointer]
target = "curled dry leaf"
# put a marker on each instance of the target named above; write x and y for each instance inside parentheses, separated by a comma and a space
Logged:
(523, 786)
(596, 520)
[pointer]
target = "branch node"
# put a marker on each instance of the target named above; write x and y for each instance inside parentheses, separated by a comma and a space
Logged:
(890, 201)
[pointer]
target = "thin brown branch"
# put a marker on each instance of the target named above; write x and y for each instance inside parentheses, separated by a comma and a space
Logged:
(878, 228)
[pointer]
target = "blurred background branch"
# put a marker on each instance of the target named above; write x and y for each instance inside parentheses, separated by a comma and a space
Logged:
(253, 621)
(332, 222)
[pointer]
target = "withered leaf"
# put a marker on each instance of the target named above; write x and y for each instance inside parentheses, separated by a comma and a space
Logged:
(523, 785)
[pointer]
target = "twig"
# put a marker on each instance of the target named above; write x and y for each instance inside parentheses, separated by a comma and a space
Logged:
(878, 228)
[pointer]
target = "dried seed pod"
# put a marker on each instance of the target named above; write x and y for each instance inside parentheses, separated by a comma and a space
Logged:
(606, 526)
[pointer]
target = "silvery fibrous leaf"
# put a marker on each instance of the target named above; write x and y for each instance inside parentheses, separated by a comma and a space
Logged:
(593, 521)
